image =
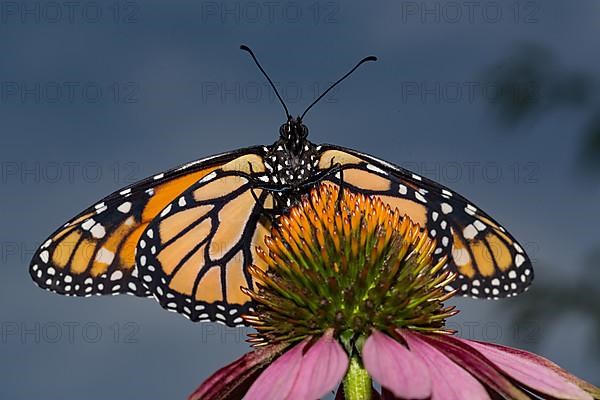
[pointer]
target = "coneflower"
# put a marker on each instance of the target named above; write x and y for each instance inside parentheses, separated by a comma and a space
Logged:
(351, 294)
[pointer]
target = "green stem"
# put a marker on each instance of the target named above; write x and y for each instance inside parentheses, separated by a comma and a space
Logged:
(357, 382)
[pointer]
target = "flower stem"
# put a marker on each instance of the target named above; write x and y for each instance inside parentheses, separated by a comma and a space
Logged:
(357, 382)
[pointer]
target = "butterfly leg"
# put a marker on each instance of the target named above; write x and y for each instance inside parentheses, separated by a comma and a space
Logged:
(268, 213)
(334, 169)
(256, 184)
(285, 195)
(340, 195)
(337, 167)
(320, 176)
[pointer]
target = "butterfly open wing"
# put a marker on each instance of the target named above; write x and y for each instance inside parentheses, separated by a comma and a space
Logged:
(94, 253)
(193, 256)
(186, 236)
(489, 261)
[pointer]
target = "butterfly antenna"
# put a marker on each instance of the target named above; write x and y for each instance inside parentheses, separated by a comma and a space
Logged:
(364, 60)
(246, 48)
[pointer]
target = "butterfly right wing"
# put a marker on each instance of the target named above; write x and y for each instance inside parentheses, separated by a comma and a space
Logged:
(489, 261)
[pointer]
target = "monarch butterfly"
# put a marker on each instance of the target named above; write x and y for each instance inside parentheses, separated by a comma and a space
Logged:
(186, 236)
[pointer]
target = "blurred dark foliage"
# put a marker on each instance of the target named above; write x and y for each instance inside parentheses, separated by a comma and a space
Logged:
(534, 83)
(555, 299)
(540, 85)
(590, 149)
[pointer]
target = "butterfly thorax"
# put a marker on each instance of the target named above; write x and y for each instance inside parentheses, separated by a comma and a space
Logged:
(291, 161)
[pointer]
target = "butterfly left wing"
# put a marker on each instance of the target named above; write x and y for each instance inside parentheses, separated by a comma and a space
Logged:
(489, 261)
(193, 256)
(93, 253)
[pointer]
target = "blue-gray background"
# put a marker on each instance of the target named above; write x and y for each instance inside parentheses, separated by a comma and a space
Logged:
(98, 94)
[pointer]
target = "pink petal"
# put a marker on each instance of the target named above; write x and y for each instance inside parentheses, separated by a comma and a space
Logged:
(476, 364)
(237, 376)
(322, 369)
(527, 369)
(277, 380)
(450, 382)
(395, 367)
(588, 387)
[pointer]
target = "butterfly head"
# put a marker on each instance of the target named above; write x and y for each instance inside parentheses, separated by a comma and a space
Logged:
(293, 134)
